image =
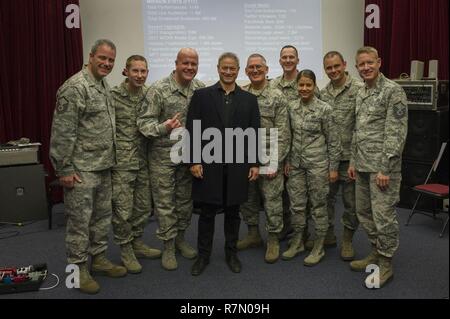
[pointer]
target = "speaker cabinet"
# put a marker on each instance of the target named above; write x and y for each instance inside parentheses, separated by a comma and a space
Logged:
(427, 130)
(433, 67)
(415, 173)
(417, 70)
(22, 194)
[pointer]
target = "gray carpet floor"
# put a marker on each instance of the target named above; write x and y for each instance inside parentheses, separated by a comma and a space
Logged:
(421, 267)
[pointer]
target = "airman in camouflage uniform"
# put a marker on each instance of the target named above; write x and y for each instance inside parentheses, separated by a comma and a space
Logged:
(313, 160)
(287, 84)
(377, 147)
(269, 187)
(82, 151)
(171, 183)
(340, 94)
(130, 178)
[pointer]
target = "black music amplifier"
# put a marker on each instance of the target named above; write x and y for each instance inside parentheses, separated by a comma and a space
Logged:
(425, 94)
(22, 193)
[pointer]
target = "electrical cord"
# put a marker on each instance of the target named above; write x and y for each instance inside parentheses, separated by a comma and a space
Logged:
(10, 224)
(13, 233)
(9, 234)
(54, 286)
(6, 225)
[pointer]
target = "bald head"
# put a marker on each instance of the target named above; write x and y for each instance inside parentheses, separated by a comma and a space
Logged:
(186, 52)
(186, 66)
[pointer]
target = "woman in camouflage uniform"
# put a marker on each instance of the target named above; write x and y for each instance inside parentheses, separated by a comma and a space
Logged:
(312, 163)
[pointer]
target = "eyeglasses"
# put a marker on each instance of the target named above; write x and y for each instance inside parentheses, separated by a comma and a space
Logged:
(257, 67)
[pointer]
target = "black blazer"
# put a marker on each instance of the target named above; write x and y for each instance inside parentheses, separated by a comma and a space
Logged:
(207, 106)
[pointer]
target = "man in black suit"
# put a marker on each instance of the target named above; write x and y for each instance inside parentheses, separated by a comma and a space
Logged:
(223, 183)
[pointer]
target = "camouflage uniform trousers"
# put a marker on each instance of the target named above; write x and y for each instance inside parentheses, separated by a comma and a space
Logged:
(287, 214)
(131, 202)
(171, 186)
(286, 204)
(376, 211)
(349, 219)
(308, 188)
(270, 191)
(88, 213)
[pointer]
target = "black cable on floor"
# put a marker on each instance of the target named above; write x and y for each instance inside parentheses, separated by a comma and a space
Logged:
(12, 233)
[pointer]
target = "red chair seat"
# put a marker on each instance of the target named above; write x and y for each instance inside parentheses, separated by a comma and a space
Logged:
(437, 189)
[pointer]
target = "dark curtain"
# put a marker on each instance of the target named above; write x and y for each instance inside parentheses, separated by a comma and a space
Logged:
(37, 54)
(411, 30)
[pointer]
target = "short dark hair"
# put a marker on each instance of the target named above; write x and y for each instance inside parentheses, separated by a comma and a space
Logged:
(332, 54)
(132, 58)
(101, 42)
(289, 47)
(307, 74)
(230, 55)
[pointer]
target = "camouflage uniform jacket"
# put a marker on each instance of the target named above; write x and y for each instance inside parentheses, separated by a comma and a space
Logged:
(131, 144)
(289, 89)
(381, 127)
(273, 110)
(343, 103)
(164, 99)
(83, 130)
(315, 136)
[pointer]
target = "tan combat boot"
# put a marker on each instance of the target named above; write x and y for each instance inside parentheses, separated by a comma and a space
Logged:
(295, 247)
(129, 259)
(361, 265)
(87, 284)
(251, 240)
(168, 259)
(330, 238)
(102, 266)
(386, 270)
(141, 250)
(273, 248)
(347, 251)
(317, 253)
(185, 249)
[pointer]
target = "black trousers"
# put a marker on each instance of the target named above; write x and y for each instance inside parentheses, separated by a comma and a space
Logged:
(206, 225)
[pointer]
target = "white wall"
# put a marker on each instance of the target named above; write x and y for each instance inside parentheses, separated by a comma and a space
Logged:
(121, 21)
(117, 20)
(342, 29)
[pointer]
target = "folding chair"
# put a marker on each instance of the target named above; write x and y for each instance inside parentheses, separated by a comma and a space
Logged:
(438, 191)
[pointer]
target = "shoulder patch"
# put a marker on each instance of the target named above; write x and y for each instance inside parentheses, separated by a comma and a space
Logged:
(62, 105)
(400, 110)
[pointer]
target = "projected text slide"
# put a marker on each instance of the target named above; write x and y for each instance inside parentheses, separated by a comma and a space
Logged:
(243, 27)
